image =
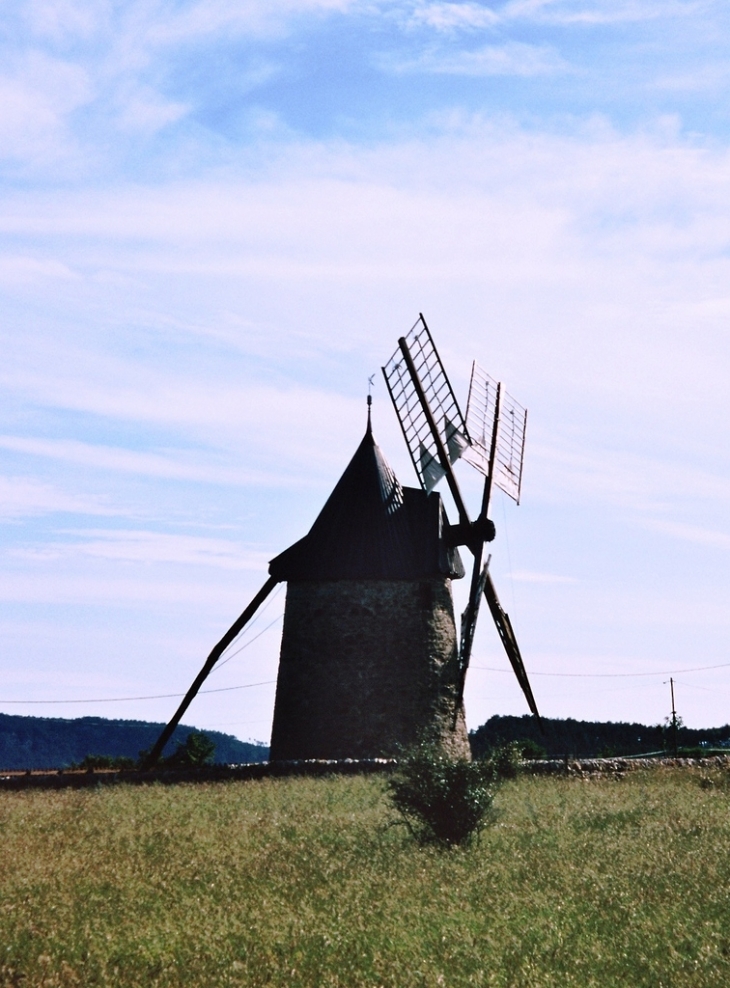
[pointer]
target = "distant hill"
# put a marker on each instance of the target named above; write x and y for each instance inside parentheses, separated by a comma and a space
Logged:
(588, 739)
(53, 742)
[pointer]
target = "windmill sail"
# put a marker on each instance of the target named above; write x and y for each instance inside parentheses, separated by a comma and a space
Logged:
(504, 627)
(511, 427)
(431, 469)
(441, 401)
(469, 624)
(456, 442)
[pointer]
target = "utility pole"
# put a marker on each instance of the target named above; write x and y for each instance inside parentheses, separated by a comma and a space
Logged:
(674, 717)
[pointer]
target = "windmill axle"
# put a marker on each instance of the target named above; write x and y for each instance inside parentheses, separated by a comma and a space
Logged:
(473, 534)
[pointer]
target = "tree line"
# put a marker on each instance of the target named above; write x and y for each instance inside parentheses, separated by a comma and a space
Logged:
(590, 739)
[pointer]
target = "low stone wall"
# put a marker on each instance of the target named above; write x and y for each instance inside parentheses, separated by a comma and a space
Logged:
(575, 768)
(210, 773)
(615, 766)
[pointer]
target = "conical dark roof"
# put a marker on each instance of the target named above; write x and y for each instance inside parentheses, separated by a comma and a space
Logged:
(371, 528)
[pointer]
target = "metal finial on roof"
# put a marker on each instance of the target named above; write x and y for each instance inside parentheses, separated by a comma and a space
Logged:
(370, 400)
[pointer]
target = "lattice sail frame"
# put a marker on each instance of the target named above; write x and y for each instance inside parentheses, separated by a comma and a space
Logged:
(464, 438)
(441, 401)
(511, 428)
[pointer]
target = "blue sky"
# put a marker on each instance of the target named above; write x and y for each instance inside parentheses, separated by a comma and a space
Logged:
(216, 218)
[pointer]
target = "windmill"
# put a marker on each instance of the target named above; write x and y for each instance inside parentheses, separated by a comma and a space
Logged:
(370, 659)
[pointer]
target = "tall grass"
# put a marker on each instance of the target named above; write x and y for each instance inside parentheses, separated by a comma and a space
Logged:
(306, 882)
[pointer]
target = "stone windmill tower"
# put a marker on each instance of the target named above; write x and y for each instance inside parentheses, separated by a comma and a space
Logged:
(369, 652)
(370, 657)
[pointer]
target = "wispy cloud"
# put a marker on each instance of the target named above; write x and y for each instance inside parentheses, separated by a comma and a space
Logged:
(622, 478)
(470, 16)
(37, 94)
(150, 547)
(451, 16)
(46, 584)
(180, 466)
(595, 12)
(20, 268)
(247, 17)
(691, 533)
(26, 496)
(511, 58)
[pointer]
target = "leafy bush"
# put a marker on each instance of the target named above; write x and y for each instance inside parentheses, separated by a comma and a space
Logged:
(442, 802)
(196, 750)
(531, 749)
(504, 760)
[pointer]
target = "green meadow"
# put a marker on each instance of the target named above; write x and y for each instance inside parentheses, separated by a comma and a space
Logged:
(312, 882)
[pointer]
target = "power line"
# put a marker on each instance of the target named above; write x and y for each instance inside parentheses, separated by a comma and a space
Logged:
(246, 644)
(609, 675)
(606, 675)
(705, 689)
(168, 696)
(603, 691)
(249, 626)
(158, 696)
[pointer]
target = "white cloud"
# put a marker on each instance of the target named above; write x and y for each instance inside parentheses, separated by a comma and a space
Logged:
(142, 109)
(150, 547)
(691, 533)
(167, 467)
(707, 77)
(636, 480)
(247, 17)
(25, 496)
(456, 16)
(585, 248)
(19, 268)
(450, 16)
(37, 95)
(141, 24)
(567, 12)
(44, 584)
(118, 60)
(512, 58)
(60, 20)
(469, 16)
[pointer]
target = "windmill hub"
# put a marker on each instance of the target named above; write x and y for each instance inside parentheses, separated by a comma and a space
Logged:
(470, 534)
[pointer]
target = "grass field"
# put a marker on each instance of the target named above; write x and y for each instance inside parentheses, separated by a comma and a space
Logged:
(305, 882)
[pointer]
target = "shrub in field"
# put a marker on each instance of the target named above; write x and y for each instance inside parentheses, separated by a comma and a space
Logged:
(504, 760)
(442, 801)
(197, 749)
(531, 749)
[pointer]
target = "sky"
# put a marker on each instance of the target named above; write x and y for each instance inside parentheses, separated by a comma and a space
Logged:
(216, 219)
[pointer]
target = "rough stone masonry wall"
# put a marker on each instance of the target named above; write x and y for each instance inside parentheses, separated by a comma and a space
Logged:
(366, 666)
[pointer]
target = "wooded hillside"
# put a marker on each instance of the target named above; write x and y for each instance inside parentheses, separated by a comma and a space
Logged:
(53, 742)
